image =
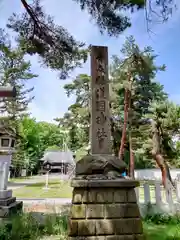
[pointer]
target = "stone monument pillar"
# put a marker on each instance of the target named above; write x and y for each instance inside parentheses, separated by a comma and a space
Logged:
(104, 205)
(100, 113)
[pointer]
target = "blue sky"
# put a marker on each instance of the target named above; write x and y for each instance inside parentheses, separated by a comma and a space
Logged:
(50, 100)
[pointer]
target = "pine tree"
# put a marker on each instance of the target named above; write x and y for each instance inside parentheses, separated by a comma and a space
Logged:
(15, 71)
(134, 89)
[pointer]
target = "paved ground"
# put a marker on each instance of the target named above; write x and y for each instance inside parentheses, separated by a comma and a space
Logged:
(40, 201)
(36, 179)
(48, 201)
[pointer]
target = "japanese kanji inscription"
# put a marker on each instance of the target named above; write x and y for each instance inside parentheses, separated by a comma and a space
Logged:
(100, 115)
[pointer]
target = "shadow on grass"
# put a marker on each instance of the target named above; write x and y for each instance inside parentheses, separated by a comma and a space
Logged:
(42, 184)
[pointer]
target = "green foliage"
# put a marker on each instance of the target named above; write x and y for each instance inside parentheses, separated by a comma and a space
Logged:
(15, 71)
(165, 218)
(37, 33)
(135, 71)
(77, 119)
(166, 115)
(26, 226)
(145, 94)
(37, 137)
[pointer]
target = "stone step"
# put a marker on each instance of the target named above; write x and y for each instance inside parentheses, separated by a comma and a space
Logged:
(14, 207)
(8, 201)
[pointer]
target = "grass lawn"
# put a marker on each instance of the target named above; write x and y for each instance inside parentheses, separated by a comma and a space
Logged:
(56, 189)
(19, 180)
(161, 232)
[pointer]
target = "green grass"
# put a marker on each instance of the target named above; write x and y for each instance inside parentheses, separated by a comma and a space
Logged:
(161, 232)
(19, 180)
(35, 190)
(54, 227)
(58, 189)
(28, 227)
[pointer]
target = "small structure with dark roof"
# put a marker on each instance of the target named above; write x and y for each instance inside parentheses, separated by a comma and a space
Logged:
(57, 161)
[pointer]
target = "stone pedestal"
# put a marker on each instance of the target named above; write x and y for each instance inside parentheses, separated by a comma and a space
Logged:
(8, 204)
(105, 210)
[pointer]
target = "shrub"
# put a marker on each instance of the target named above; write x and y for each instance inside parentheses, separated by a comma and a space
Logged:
(163, 219)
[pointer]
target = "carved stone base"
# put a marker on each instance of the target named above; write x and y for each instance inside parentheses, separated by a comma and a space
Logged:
(5, 194)
(8, 204)
(105, 210)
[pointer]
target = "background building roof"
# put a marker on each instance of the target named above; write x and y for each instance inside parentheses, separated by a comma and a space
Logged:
(53, 157)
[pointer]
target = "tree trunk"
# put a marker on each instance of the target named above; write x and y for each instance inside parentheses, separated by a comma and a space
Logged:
(157, 156)
(113, 133)
(123, 138)
(131, 162)
(131, 153)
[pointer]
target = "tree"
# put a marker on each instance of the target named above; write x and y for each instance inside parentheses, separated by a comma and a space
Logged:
(50, 135)
(165, 126)
(149, 122)
(133, 87)
(30, 147)
(15, 71)
(77, 119)
(37, 32)
(37, 137)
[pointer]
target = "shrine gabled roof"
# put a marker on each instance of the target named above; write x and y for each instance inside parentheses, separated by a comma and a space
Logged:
(53, 157)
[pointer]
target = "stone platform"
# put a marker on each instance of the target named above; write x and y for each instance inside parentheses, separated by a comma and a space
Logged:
(8, 204)
(105, 210)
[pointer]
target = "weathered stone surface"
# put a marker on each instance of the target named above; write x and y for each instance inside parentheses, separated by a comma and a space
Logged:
(77, 195)
(122, 211)
(5, 211)
(120, 196)
(104, 196)
(131, 210)
(95, 211)
(100, 164)
(115, 183)
(91, 196)
(105, 227)
(87, 228)
(5, 194)
(8, 201)
(98, 195)
(125, 237)
(106, 209)
(73, 228)
(128, 226)
(88, 238)
(78, 211)
(114, 211)
(80, 195)
(131, 196)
